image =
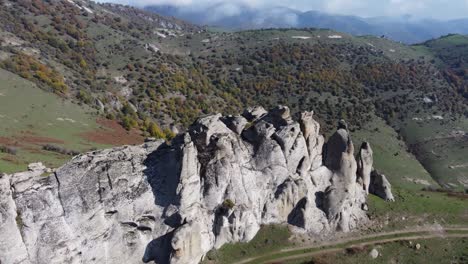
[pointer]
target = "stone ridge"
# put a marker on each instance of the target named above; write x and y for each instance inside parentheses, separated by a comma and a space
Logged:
(172, 203)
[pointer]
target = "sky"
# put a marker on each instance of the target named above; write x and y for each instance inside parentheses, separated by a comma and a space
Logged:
(437, 9)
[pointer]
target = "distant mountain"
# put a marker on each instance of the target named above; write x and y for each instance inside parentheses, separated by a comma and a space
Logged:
(240, 17)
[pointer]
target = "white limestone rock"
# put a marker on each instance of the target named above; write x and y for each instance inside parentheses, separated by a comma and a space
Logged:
(380, 186)
(374, 253)
(365, 162)
(314, 141)
(235, 123)
(172, 203)
(12, 247)
(344, 194)
(254, 113)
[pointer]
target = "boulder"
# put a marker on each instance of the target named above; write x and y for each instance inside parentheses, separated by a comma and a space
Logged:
(380, 186)
(374, 253)
(235, 123)
(254, 113)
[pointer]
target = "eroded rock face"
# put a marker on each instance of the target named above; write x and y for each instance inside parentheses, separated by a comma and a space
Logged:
(215, 184)
(12, 248)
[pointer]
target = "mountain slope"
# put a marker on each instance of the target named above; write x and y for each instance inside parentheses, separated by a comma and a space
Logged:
(59, 46)
(451, 52)
(443, 150)
(156, 75)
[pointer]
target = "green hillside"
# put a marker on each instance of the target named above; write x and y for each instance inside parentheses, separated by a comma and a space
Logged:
(451, 54)
(153, 74)
(441, 144)
(31, 118)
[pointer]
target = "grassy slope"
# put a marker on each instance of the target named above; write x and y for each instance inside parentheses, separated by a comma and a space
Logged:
(432, 141)
(441, 149)
(441, 152)
(417, 208)
(25, 109)
(269, 238)
(436, 136)
(391, 156)
(447, 50)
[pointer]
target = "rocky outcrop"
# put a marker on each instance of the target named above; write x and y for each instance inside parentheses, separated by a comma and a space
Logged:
(365, 161)
(344, 194)
(380, 186)
(372, 181)
(172, 203)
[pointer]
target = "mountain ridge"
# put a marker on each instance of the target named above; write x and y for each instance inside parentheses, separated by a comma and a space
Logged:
(243, 17)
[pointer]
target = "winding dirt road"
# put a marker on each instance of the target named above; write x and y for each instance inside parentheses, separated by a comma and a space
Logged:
(435, 231)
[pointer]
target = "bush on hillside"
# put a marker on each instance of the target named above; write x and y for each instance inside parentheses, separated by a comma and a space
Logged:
(8, 150)
(61, 150)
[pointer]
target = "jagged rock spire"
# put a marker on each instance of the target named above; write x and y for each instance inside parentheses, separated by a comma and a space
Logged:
(365, 162)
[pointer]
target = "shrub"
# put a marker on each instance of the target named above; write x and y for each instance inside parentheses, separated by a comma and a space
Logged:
(155, 131)
(8, 150)
(129, 122)
(128, 110)
(168, 134)
(228, 203)
(30, 68)
(83, 64)
(84, 96)
(19, 220)
(59, 149)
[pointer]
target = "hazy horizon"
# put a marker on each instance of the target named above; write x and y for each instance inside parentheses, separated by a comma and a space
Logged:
(416, 9)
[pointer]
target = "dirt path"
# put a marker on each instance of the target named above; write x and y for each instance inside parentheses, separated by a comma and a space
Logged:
(341, 244)
(350, 238)
(382, 241)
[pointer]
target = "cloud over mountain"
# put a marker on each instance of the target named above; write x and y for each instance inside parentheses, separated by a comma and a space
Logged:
(438, 9)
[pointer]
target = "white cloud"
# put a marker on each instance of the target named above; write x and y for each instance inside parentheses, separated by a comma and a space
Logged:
(224, 10)
(405, 7)
(339, 6)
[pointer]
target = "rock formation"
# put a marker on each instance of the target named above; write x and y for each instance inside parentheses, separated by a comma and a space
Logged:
(344, 194)
(172, 203)
(365, 162)
(380, 186)
(372, 181)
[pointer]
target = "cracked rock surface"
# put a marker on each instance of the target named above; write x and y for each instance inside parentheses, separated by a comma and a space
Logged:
(172, 203)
